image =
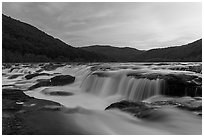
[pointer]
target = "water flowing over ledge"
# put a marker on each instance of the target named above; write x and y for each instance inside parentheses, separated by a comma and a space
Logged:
(95, 86)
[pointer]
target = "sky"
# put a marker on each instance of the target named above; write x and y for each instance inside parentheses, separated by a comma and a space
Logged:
(123, 24)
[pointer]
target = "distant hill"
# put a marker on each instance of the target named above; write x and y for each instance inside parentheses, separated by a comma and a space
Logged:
(25, 43)
(189, 52)
(114, 53)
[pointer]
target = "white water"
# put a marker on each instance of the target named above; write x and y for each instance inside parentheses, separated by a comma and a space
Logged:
(130, 88)
(92, 94)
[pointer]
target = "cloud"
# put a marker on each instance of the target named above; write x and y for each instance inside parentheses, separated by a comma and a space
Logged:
(139, 25)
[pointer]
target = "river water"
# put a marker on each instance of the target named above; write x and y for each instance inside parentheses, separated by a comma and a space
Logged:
(97, 85)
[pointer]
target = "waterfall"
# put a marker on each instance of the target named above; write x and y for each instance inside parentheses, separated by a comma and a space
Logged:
(129, 87)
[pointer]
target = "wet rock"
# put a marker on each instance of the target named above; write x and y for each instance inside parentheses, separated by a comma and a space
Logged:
(55, 81)
(186, 103)
(193, 105)
(30, 76)
(100, 68)
(51, 108)
(14, 94)
(51, 66)
(175, 84)
(147, 110)
(161, 64)
(40, 84)
(4, 74)
(62, 80)
(138, 109)
(18, 111)
(182, 85)
(100, 74)
(6, 65)
(57, 93)
(8, 85)
(197, 68)
(14, 76)
(39, 70)
(14, 68)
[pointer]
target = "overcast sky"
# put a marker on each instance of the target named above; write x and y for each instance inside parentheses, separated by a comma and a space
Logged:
(138, 25)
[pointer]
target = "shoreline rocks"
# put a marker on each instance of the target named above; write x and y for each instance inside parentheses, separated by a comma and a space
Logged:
(18, 108)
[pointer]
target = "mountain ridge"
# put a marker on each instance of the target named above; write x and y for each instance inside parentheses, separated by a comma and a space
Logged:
(22, 42)
(171, 53)
(114, 53)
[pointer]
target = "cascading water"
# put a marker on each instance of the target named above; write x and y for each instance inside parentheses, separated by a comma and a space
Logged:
(95, 90)
(119, 84)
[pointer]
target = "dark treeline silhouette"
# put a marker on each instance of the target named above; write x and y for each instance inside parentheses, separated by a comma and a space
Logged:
(25, 43)
(115, 53)
(189, 52)
(22, 42)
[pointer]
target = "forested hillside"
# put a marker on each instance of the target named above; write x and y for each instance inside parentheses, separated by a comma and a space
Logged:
(25, 43)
